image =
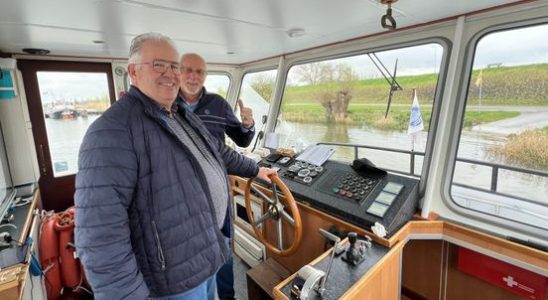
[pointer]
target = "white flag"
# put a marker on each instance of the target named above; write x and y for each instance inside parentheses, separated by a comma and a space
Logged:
(415, 119)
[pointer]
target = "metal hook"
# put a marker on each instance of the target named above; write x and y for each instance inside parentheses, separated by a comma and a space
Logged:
(387, 21)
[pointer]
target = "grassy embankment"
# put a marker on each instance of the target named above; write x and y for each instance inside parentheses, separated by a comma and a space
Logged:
(504, 86)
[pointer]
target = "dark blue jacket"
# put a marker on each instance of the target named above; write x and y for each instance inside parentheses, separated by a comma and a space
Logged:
(219, 119)
(145, 223)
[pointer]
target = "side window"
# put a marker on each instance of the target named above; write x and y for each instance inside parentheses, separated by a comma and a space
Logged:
(501, 167)
(218, 84)
(256, 93)
(70, 106)
(357, 100)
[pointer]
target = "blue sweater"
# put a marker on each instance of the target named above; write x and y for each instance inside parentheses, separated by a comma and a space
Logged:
(219, 119)
(145, 221)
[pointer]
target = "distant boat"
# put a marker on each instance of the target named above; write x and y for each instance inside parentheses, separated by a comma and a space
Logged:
(62, 114)
(83, 113)
(68, 114)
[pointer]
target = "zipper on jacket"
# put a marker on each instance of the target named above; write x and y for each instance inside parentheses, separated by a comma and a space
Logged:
(200, 173)
(161, 257)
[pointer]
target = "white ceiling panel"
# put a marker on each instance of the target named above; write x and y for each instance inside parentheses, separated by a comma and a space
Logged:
(251, 29)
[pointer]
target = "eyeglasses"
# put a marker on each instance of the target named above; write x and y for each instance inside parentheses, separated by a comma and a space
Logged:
(161, 66)
(188, 71)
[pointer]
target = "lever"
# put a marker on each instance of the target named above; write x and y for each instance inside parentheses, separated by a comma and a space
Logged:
(310, 279)
(335, 239)
(355, 253)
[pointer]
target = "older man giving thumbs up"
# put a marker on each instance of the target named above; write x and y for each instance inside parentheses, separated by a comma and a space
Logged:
(213, 109)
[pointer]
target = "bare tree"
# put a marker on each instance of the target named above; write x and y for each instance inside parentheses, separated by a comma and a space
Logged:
(314, 73)
(263, 84)
(336, 96)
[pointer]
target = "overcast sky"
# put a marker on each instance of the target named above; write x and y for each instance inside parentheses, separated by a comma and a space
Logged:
(508, 48)
(71, 85)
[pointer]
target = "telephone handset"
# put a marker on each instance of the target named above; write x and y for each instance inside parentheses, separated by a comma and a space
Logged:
(366, 166)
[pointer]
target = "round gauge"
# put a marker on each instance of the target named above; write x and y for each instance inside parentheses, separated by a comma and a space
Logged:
(303, 173)
(307, 179)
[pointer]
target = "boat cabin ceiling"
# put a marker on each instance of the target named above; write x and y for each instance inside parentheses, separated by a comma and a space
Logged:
(223, 32)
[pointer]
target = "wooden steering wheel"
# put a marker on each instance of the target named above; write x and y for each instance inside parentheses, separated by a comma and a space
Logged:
(277, 212)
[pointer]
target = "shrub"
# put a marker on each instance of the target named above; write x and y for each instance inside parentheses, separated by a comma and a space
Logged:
(528, 149)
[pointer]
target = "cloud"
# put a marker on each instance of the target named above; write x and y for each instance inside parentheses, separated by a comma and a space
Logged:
(71, 85)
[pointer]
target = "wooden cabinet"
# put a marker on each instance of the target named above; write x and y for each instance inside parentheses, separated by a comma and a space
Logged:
(13, 278)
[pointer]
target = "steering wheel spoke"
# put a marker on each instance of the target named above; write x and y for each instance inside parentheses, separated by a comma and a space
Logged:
(288, 218)
(262, 195)
(263, 218)
(280, 235)
(275, 193)
(279, 208)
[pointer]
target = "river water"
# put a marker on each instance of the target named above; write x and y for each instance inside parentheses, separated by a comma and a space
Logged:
(473, 145)
(65, 137)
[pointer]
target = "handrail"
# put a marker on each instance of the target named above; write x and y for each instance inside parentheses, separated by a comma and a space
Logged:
(357, 146)
(495, 167)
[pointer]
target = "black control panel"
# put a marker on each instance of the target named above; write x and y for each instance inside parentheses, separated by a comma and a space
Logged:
(363, 197)
(349, 186)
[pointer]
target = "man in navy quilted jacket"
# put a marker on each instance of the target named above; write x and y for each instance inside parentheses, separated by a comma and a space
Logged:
(219, 119)
(152, 189)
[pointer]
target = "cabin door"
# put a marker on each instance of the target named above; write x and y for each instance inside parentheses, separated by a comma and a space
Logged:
(63, 98)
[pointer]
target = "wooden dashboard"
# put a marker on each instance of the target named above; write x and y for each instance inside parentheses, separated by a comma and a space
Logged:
(421, 262)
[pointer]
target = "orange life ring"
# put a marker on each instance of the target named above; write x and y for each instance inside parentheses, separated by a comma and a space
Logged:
(70, 267)
(49, 257)
(71, 210)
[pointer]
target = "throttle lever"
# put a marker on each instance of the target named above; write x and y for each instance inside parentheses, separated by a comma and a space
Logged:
(355, 253)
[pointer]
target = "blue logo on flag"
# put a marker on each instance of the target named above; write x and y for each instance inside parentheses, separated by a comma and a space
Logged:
(415, 119)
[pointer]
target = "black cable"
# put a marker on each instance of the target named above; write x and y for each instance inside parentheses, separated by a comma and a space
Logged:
(259, 137)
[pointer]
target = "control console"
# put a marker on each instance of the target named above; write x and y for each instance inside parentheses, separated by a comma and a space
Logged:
(360, 195)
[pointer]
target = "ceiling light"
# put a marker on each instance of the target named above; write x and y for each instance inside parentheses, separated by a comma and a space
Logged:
(98, 42)
(295, 32)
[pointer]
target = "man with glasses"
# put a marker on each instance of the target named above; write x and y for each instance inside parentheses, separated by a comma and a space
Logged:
(219, 119)
(213, 109)
(152, 189)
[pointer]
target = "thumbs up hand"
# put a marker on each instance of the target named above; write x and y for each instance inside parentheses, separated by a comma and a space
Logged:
(246, 114)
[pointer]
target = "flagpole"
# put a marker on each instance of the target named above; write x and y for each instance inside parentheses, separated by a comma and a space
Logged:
(479, 84)
(412, 158)
(414, 133)
(480, 87)
(415, 125)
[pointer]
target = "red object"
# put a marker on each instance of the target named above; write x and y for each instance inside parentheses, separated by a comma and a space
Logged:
(49, 257)
(71, 210)
(70, 267)
(509, 277)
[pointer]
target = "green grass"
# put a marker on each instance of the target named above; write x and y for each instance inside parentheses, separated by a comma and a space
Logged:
(521, 85)
(472, 118)
(510, 86)
(373, 116)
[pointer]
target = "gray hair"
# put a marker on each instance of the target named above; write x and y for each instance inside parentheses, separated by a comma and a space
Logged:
(138, 42)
